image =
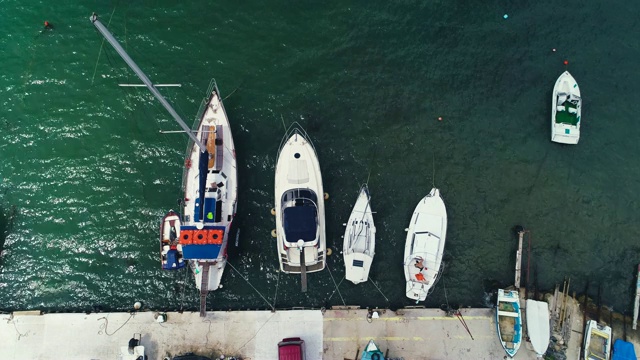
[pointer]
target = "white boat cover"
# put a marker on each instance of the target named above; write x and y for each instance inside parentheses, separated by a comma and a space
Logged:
(538, 325)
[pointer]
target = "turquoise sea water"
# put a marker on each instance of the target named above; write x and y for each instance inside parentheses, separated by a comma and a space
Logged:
(86, 176)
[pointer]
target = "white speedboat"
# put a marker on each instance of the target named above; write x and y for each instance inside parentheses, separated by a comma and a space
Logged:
(209, 181)
(597, 341)
(538, 326)
(359, 239)
(509, 321)
(424, 246)
(210, 188)
(566, 110)
(299, 205)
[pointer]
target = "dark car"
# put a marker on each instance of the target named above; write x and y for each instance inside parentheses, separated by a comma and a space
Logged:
(291, 349)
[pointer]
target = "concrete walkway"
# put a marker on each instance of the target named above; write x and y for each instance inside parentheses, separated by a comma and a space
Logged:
(415, 334)
(249, 334)
(411, 334)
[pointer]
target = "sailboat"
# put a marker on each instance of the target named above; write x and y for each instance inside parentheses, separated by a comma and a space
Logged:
(566, 110)
(538, 325)
(209, 182)
(424, 246)
(597, 341)
(299, 200)
(509, 321)
(359, 239)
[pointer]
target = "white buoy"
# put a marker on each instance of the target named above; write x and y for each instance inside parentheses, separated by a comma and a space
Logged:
(137, 305)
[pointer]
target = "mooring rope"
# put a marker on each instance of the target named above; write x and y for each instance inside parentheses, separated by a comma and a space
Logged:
(104, 325)
(334, 283)
(275, 296)
(184, 287)
(381, 293)
(254, 288)
(334, 291)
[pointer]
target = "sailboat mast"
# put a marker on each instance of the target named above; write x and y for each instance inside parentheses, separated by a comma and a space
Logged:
(123, 54)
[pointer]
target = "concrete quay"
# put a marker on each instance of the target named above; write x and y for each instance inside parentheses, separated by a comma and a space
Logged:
(336, 334)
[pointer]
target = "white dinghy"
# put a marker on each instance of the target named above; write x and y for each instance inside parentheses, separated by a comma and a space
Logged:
(299, 202)
(538, 326)
(566, 110)
(359, 239)
(424, 246)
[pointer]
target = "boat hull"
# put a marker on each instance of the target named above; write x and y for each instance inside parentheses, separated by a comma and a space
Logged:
(299, 205)
(538, 327)
(359, 239)
(566, 110)
(426, 237)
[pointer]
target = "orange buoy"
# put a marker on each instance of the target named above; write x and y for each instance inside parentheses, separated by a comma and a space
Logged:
(566, 62)
(200, 237)
(186, 237)
(215, 237)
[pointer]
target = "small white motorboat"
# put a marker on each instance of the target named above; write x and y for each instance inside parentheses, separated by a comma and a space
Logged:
(566, 110)
(359, 239)
(171, 256)
(538, 326)
(597, 341)
(424, 246)
(509, 321)
(299, 201)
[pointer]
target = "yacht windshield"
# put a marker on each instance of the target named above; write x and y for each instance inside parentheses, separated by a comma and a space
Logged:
(300, 215)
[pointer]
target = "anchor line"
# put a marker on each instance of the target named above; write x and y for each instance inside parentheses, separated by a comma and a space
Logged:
(184, 287)
(433, 166)
(334, 283)
(275, 296)
(380, 291)
(247, 280)
(334, 291)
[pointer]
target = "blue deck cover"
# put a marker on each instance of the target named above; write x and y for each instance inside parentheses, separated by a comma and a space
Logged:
(201, 251)
(172, 261)
(623, 350)
(300, 223)
(209, 209)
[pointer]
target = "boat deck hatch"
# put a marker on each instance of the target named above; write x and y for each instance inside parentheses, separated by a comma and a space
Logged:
(358, 263)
